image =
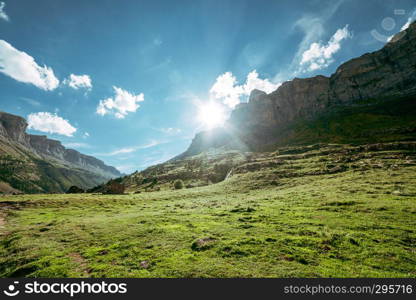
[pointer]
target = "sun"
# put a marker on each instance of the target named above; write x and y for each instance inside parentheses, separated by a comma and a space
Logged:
(211, 115)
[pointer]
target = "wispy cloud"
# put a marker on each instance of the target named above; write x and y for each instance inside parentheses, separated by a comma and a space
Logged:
(3, 14)
(22, 67)
(122, 103)
(50, 123)
(30, 101)
(120, 151)
(170, 130)
(78, 81)
(313, 27)
(127, 150)
(77, 145)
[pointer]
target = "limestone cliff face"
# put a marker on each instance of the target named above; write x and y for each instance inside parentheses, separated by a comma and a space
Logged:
(384, 74)
(13, 131)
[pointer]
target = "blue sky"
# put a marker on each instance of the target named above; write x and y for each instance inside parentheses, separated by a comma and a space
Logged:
(127, 81)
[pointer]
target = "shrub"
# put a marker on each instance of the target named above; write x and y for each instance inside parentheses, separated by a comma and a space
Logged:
(75, 190)
(178, 184)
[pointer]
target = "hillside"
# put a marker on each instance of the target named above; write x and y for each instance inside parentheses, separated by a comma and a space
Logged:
(35, 164)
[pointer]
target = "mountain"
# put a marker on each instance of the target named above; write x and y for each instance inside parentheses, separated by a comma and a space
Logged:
(377, 91)
(368, 104)
(34, 163)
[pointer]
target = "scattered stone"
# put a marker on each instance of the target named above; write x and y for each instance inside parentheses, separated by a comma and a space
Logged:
(202, 244)
(336, 169)
(144, 264)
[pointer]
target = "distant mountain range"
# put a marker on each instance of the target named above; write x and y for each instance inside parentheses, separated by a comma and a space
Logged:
(34, 163)
(367, 99)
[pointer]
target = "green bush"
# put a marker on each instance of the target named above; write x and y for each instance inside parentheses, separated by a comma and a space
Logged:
(178, 184)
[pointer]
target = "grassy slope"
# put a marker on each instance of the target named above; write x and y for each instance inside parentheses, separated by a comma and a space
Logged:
(280, 221)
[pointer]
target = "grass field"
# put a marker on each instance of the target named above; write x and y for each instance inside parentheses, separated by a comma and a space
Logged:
(318, 215)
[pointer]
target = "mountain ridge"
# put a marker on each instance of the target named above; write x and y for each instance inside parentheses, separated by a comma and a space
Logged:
(37, 151)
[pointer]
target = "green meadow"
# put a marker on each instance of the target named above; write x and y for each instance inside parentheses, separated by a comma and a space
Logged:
(323, 213)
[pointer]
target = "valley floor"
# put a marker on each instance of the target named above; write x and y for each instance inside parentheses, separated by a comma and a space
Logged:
(354, 222)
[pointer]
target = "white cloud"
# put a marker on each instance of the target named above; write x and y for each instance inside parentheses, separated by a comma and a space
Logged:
(123, 103)
(229, 92)
(254, 82)
(3, 14)
(226, 89)
(78, 81)
(320, 56)
(85, 135)
(50, 123)
(22, 67)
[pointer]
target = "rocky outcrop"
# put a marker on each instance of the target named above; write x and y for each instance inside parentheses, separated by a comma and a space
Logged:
(382, 75)
(13, 131)
(13, 128)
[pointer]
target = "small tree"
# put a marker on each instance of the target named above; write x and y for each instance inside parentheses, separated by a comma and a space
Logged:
(114, 187)
(178, 184)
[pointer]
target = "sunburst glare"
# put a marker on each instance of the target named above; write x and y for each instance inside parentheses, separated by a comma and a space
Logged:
(211, 115)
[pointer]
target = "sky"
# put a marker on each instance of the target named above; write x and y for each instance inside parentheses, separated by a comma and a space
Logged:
(132, 82)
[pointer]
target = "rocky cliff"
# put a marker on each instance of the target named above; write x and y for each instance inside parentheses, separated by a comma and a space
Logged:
(387, 74)
(37, 151)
